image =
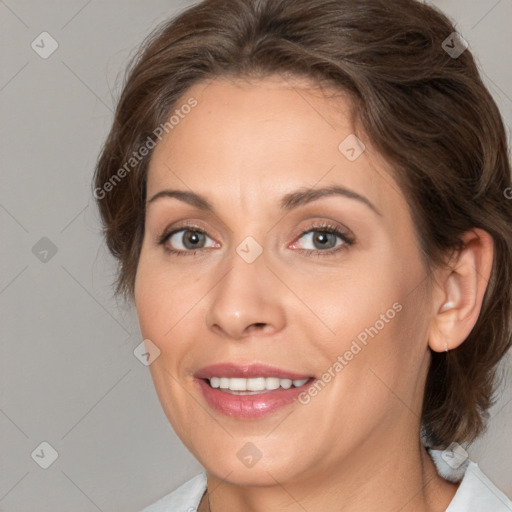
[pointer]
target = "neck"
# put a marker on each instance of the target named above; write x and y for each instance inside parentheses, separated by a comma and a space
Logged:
(401, 477)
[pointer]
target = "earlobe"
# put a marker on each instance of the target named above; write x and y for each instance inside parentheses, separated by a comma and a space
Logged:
(446, 307)
(460, 291)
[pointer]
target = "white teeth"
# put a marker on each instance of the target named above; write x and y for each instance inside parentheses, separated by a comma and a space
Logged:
(254, 384)
(272, 383)
(238, 384)
(286, 383)
(257, 384)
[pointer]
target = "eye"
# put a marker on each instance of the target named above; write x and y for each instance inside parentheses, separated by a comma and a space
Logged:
(322, 238)
(186, 240)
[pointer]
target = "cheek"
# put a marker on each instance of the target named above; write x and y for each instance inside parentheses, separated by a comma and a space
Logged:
(164, 305)
(372, 313)
(352, 297)
(164, 298)
(389, 336)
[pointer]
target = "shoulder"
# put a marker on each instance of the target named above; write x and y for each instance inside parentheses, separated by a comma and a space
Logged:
(476, 493)
(185, 498)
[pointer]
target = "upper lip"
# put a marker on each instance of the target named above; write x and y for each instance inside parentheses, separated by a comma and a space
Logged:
(246, 371)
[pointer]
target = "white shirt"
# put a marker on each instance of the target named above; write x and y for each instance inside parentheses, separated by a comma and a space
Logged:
(476, 493)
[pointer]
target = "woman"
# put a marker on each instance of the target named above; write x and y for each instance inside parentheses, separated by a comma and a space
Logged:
(308, 203)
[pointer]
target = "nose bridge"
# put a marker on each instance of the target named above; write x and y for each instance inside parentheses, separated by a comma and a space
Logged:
(243, 300)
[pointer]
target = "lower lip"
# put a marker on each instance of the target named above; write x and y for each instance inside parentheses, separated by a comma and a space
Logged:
(249, 406)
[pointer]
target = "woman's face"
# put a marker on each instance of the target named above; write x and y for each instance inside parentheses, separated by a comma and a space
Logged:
(295, 258)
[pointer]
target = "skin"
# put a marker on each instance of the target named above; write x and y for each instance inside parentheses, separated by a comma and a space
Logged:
(355, 446)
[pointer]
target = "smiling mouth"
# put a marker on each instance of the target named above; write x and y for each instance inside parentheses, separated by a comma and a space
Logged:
(250, 391)
(253, 385)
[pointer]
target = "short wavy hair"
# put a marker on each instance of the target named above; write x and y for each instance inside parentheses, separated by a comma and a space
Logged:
(425, 110)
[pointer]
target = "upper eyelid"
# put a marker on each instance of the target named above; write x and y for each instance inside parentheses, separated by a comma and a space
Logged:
(183, 225)
(322, 225)
(314, 227)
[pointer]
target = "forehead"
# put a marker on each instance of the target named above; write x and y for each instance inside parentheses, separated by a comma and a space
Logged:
(253, 141)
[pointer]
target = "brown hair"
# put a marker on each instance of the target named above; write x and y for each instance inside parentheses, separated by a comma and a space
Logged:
(428, 114)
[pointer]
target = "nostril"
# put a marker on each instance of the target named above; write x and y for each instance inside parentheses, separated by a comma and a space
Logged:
(257, 326)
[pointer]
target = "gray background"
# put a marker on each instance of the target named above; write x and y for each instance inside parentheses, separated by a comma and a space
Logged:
(68, 375)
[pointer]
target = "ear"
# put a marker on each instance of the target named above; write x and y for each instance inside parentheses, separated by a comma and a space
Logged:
(459, 291)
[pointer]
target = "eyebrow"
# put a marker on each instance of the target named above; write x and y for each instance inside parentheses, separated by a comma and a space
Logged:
(190, 198)
(301, 197)
(288, 202)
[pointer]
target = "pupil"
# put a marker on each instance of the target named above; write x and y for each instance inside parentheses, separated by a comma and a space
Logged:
(192, 239)
(325, 240)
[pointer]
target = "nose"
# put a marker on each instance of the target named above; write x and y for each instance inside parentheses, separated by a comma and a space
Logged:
(247, 301)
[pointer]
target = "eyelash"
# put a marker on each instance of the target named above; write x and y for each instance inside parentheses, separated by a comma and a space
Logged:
(348, 240)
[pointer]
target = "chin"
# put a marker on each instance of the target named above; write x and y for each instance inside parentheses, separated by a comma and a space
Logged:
(260, 475)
